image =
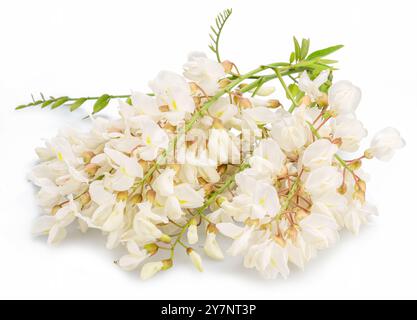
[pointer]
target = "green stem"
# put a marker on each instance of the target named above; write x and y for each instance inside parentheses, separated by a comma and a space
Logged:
(287, 91)
(228, 183)
(289, 197)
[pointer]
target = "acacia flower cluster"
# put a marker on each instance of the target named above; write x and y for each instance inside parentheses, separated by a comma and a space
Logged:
(208, 154)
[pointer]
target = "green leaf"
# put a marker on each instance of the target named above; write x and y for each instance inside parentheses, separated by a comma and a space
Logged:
(47, 103)
(292, 57)
(221, 20)
(59, 102)
(305, 46)
(22, 107)
(293, 89)
(101, 103)
(297, 49)
(77, 103)
(324, 52)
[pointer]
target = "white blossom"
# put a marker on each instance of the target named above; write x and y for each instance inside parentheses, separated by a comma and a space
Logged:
(205, 72)
(385, 143)
(344, 97)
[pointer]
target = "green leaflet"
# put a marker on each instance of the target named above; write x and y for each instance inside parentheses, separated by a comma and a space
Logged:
(324, 52)
(101, 103)
(297, 49)
(77, 103)
(59, 102)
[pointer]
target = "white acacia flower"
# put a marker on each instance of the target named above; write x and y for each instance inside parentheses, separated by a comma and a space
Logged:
(241, 236)
(319, 231)
(142, 105)
(222, 109)
(173, 91)
(55, 225)
(146, 230)
(350, 130)
(323, 179)
(212, 248)
(195, 259)
(258, 198)
(150, 269)
(115, 219)
(134, 258)
(358, 214)
(268, 157)
(192, 234)
(385, 143)
(187, 196)
(127, 170)
(330, 203)
(164, 183)
(289, 133)
(258, 116)
(153, 139)
(269, 258)
(312, 87)
(344, 97)
(205, 72)
(318, 154)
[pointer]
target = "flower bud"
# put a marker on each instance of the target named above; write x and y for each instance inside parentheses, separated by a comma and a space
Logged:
(165, 238)
(150, 196)
(137, 198)
(87, 156)
(360, 185)
(224, 83)
(192, 232)
(359, 195)
(144, 164)
(167, 263)
(122, 196)
(355, 165)
(368, 154)
(323, 101)
(91, 169)
(227, 66)
(151, 248)
(337, 141)
(220, 200)
(211, 247)
(150, 269)
(342, 189)
(221, 169)
(195, 259)
(306, 100)
(273, 103)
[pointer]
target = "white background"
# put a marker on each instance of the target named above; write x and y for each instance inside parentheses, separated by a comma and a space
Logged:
(81, 48)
